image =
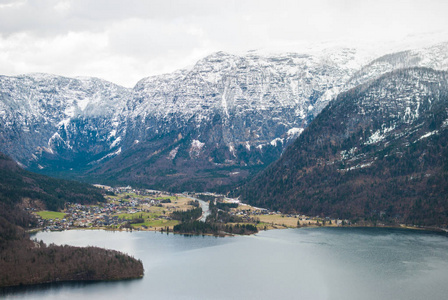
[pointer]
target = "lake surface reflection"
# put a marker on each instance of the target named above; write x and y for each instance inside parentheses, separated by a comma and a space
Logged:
(320, 263)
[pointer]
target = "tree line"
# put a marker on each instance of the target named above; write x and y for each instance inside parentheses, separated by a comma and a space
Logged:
(217, 222)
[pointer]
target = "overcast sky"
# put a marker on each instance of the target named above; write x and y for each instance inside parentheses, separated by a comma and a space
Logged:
(124, 41)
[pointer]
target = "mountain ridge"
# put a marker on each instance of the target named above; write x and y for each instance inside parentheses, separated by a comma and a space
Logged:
(229, 114)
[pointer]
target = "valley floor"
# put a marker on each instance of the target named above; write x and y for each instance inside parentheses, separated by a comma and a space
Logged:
(137, 209)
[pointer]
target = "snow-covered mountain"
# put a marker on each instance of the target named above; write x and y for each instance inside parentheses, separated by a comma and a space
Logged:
(377, 152)
(213, 124)
(259, 98)
(43, 113)
(434, 57)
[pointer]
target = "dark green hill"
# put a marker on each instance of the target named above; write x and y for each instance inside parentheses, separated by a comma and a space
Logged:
(23, 261)
(378, 152)
(17, 184)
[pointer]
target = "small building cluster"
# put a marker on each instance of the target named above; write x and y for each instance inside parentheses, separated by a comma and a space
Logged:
(104, 214)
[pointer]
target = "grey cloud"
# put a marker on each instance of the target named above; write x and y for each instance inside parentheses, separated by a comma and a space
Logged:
(149, 37)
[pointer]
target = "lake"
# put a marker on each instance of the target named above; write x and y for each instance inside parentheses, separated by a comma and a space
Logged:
(307, 263)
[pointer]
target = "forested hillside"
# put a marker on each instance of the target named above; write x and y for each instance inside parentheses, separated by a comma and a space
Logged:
(378, 152)
(23, 261)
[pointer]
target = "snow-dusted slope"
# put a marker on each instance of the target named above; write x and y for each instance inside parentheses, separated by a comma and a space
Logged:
(377, 152)
(434, 57)
(228, 114)
(269, 95)
(227, 111)
(38, 113)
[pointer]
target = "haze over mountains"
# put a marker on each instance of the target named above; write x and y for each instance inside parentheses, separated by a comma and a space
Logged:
(204, 128)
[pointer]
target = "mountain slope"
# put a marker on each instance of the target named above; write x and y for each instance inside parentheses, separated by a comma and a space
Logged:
(434, 57)
(18, 185)
(222, 120)
(379, 151)
(229, 115)
(208, 127)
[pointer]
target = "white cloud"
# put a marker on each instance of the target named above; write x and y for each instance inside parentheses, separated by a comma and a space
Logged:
(124, 41)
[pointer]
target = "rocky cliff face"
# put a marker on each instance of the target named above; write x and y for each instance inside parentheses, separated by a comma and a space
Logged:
(214, 124)
(228, 114)
(257, 98)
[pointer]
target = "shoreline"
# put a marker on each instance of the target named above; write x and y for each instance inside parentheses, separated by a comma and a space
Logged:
(399, 226)
(62, 282)
(154, 215)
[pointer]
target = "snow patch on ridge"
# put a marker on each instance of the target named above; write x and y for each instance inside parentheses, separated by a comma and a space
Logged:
(173, 153)
(109, 155)
(232, 149)
(274, 142)
(56, 137)
(112, 133)
(116, 142)
(295, 131)
(348, 154)
(48, 150)
(445, 123)
(64, 122)
(82, 104)
(379, 135)
(428, 135)
(224, 102)
(196, 147)
(359, 166)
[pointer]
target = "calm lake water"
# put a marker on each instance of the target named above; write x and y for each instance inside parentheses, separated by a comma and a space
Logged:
(320, 263)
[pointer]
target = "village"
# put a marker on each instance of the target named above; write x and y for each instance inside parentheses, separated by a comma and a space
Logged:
(123, 206)
(128, 208)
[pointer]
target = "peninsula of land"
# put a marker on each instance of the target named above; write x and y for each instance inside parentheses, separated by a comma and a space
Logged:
(24, 261)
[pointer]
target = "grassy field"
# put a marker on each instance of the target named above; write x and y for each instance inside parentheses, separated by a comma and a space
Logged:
(278, 220)
(172, 198)
(245, 207)
(126, 196)
(265, 226)
(47, 215)
(178, 204)
(144, 215)
(268, 221)
(151, 214)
